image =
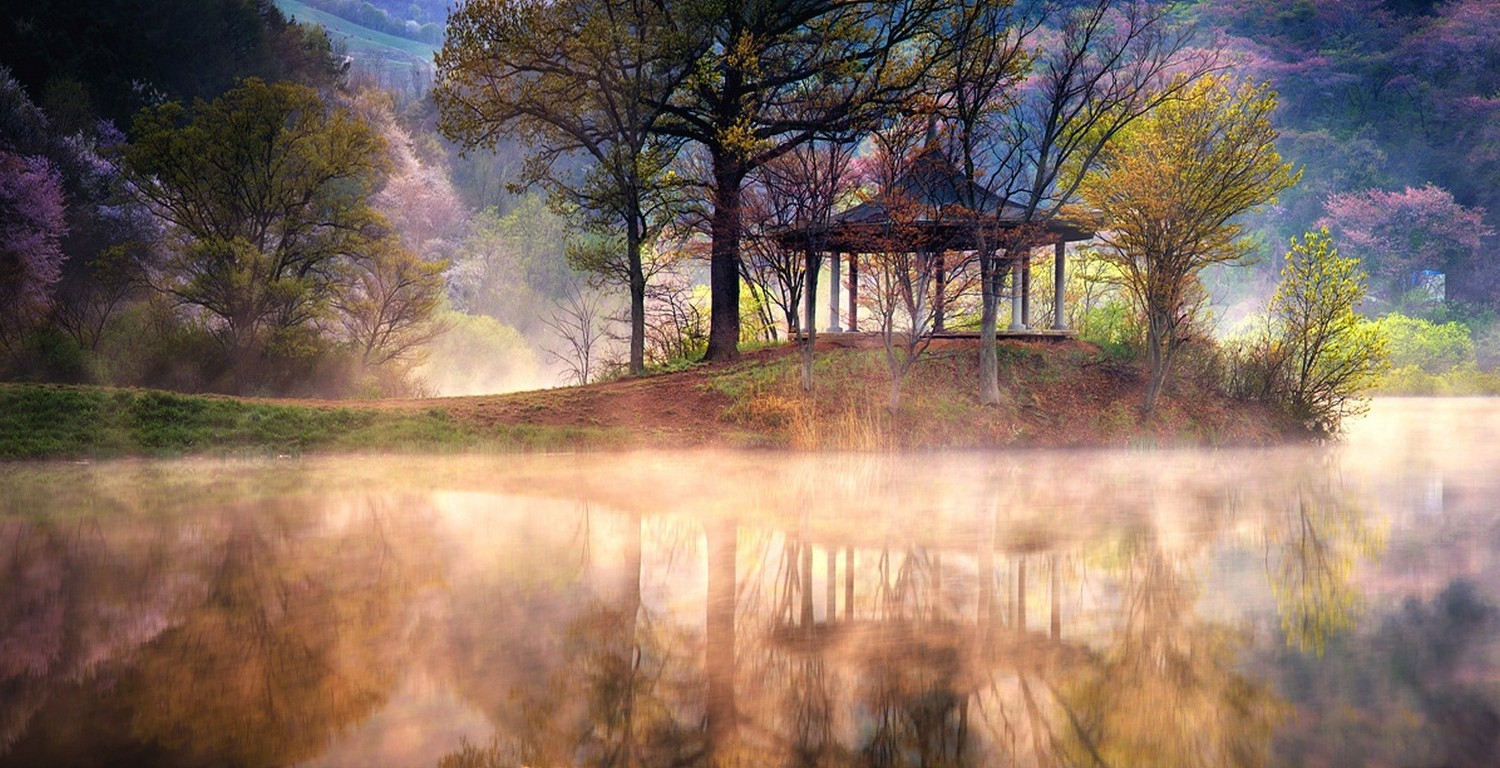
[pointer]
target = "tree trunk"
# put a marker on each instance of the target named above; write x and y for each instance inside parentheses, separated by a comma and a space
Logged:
(989, 362)
(719, 640)
(637, 296)
(810, 308)
(630, 608)
(1158, 349)
(724, 273)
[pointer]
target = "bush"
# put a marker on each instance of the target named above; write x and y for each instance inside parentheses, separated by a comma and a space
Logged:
(1326, 356)
(479, 355)
(1461, 381)
(1432, 347)
(1115, 327)
(47, 355)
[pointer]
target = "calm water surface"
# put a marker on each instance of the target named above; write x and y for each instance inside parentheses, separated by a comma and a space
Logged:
(1311, 606)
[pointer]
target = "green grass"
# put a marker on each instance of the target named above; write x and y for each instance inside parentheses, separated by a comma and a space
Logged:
(38, 421)
(360, 40)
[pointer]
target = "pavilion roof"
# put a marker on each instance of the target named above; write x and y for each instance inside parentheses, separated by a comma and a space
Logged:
(937, 207)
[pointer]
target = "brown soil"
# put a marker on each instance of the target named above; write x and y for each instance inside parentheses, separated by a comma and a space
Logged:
(1060, 393)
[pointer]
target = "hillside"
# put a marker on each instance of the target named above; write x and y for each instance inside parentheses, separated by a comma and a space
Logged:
(1066, 394)
(379, 52)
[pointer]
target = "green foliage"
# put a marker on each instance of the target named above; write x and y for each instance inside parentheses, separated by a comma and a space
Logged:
(149, 344)
(1432, 347)
(512, 267)
(1170, 193)
(267, 190)
(1465, 380)
(1114, 326)
(46, 354)
(1327, 355)
(477, 354)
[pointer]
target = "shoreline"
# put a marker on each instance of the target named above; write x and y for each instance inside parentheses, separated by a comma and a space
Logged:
(1057, 395)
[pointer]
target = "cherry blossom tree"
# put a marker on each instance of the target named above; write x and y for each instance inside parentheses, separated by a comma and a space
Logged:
(1397, 234)
(32, 226)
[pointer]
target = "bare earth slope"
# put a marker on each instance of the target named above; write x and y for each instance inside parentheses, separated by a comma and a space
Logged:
(1057, 394)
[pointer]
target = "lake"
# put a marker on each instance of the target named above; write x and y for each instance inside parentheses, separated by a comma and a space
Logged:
(1333, 605)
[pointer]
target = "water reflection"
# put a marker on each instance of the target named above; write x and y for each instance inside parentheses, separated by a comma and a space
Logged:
(1289, 607)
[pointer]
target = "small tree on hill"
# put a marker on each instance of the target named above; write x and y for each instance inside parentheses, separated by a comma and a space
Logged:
(1169, 193)
(1329, 354)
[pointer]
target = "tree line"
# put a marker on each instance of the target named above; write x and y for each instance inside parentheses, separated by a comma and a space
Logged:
(662, 132)
(724, 124)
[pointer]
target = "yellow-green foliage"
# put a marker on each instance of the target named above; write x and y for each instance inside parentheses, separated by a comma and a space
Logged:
(1328, 355)
(1426, 345)
(1170, 192)
(479, 355)
(1459, 381)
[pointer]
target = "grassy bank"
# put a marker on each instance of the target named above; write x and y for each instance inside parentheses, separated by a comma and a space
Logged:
(1055, 395)
(40, 421)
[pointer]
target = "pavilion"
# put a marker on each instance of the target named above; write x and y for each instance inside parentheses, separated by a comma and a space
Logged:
(934, 209)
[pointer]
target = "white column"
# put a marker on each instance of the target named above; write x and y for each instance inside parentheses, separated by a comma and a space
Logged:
(833, 294)
(1016, 323)
(1059, 279)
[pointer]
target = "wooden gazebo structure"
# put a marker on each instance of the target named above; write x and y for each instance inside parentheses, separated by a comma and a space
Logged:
(933, 209)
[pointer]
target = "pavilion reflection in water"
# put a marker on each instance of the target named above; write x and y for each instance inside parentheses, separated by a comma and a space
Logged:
(869, 616)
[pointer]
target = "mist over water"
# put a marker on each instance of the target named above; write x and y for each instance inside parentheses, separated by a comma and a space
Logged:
(1302, 605)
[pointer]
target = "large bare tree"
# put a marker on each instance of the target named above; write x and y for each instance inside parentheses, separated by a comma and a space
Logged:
(771, 75)
(575, 77)
(1032, 94)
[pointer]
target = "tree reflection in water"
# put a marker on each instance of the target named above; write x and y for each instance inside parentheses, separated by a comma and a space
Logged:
(931, 661)
(854, 613)
(245, 637)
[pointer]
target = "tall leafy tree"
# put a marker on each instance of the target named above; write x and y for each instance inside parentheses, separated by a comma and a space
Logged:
(1331, 354)
(266, 192)
(579, 77)
(1032, 95)
(771, 75)
(1169, 194)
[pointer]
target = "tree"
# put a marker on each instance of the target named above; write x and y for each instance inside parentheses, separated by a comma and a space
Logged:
(1396, 235)
(768, 77)
(266, 191)
(901, 280)
(1029, 117)
(1169, 193)
(796, 191)
(1331, 354)
(512, 267)
(111, 58)
(388, 301)
(32, 225)
(578, 320)
(582, 77)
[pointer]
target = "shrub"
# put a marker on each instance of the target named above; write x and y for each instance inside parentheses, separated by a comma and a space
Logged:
(1328, 355)
(1433, 347)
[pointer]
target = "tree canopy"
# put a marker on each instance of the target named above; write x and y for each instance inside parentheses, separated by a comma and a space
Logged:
(1168, 196)
(580, 78)
(265, 189)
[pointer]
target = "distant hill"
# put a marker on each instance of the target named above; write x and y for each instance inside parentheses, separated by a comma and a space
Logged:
(394, 62)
